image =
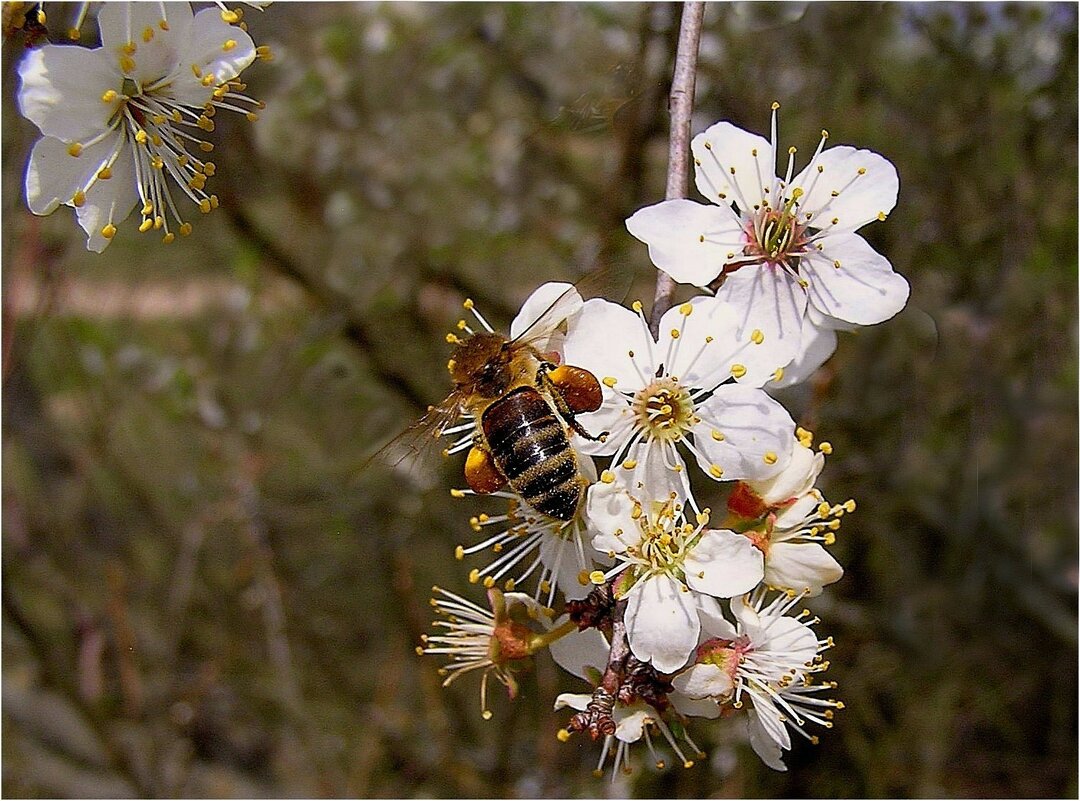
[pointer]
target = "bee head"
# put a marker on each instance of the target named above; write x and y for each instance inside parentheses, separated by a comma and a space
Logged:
(478, 359)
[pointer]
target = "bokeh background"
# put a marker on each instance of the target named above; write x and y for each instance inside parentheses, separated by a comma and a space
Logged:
(204, 594)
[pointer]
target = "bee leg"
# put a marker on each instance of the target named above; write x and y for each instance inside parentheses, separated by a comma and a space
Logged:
(573, 390)
(481, 472)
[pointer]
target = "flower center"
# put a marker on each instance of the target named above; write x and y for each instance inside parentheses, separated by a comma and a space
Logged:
(664, 409)
(775, 236)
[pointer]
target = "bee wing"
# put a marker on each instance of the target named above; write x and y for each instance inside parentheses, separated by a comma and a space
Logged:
(417, 445)
(544, 316)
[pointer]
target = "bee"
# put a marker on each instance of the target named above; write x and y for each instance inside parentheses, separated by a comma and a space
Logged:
(522, 404)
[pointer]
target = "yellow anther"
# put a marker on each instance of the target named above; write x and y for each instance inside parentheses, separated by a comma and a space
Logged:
(109, 96)
(756, 336)
(229, 45)
(820, 168)
(824, 134)
(452, 339)
(264, 52)
(163, 24)
(778, 373)
(703, 517)
(829, 538)
(159, 222)
(147, 34)
(252, 116)
(147, 208)
(836, 263)
(823, 509)
(128, 49)
(629, 464)
(146, 225)
(169, 238)
(701, 238)
(686, 309)
(486, 714)
(862, 170)
(205, 123)
(607, 477)
(474, 576)
(716, 471)
(214, 202)
(127, 64)
(41, 15)
(562, 735)
(141, 137)
(738, 370)
(636, 306)
(708, 340)
(206, 147)
(78, 198)
(792, 150)
(688, 764)
(209, 79)
(74, 34)
(157, 163)
(849, 505)
(597, 577)
(204, 205)
(468, 304)
(881, 216)
(509, 585)
(185, 229)
(797, 193)
(674, 333)
(158, 119)
(583, 577)
(835, 220)
(770, 457)
(753, 152)
(609, 382)
(109, 231)
(229, 16)
(825, 447)
(75, 149)
(775, 106)
(804, 283)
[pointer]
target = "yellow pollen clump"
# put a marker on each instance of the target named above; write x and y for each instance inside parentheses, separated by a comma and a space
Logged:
(792, 151)
(159, 221)
(214, 201)
(185, 229)
(146, 225)
(757, 337)
(206, 147)
(204, 205)
(509, 585)
(128, 49)
(609, 382)
(607, 477)
(252, 116)
(169, 238)
(486, 714)
(636, 306)
(75, 149)
(674, 333)
(686, 309)
(229, 16)
(778, 373)
(597, 577)
(163, 24)
(109, 231)
(862, 170)
(825, 447)
(630, 464)
(719, 437)
(562, 735)
(141, 137)
(775, 106)
(74, 34)
(264, 52)
(78, 198)
(474, 576)
(738, 370)
(109, 96)
(205, 123)
(229, 45)
(716, 471)
(770, 458)
(881, 216)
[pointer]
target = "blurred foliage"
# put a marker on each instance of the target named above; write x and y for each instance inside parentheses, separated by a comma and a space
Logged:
(204, 594)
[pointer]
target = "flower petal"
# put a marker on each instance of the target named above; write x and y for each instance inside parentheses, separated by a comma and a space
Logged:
(769, 300)
(713, 622)
(602, 339)
(61, 91)
(704, 680)
(744, 432)
(723, 564)
(699, 708)
(109, 201)
(576, 701)
(796, 479)
(689, 241)
(816, 345)
(861, 197)
(733, 166)
(630, 721)
(661, 622)
(53, 174)
(546, 314)
(580, 650)
(801, 566)
(132, 34)
(609, 510)
(862, 290)
(764, 745)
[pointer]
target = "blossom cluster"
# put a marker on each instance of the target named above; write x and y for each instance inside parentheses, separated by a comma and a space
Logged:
(124, 125)
(676, 587)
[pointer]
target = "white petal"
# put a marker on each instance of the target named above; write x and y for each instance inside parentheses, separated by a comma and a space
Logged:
(157, 50)
(613, 417)
(601, 340)
(62, 88)
(704, 681)
(689, 241)
(786, 635)
(557, 303)
(659, 470)
(770, 719)
(722, 148)
(576, 701)
(816, 345)
(108, 201)
(662, 623)
(699, 708)
(723, 564)
(861, 198)
(763, 744)
(863, 289)
(630, 721)
(771, 301)
(53, 175)
(609, 510)
(801, 566)
(206, 50)
(790, 518)
(796, 479)
(580, 650)
(561, 558)
(739, 428)
(713, 622)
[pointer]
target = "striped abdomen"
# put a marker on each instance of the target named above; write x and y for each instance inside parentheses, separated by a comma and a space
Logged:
(529, 445)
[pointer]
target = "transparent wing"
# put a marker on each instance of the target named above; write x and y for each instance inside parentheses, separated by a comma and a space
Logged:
(416, 447)
(543, 317)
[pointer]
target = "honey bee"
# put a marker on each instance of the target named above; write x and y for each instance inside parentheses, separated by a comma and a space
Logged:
(522, 403)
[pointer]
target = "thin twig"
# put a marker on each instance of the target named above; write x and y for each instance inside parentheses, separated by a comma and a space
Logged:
(680, 106)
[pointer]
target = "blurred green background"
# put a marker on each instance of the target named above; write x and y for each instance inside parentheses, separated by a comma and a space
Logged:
(204, 594)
